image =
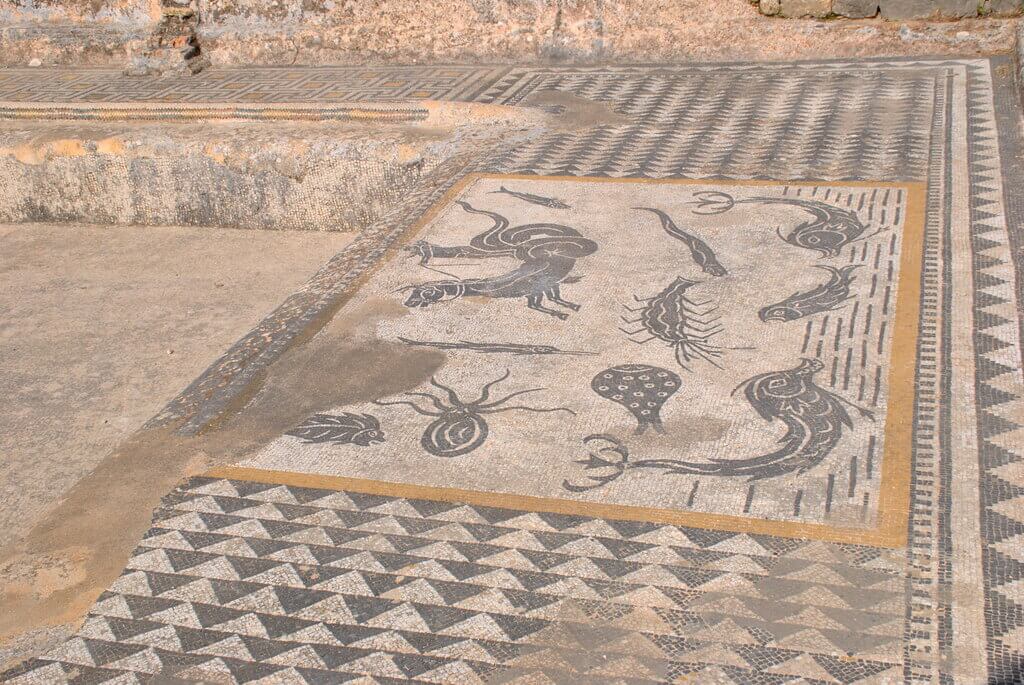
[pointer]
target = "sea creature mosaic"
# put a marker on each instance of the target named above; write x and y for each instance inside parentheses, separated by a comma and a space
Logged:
(492, 347)
(339, 429)
(459, 427)
(893, 557)
(674, 318)
(641, 389)
(549, 202)
(825, 297)
(815, 421)
(829, 230)
(547, 253)
(702, 255)
(735, 363)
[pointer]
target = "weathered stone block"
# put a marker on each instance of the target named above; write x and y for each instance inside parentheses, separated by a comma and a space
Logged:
(927, 9)
(1020, 61)
(855, 9)
(269, 174)
(1003, 7)
(805, 8)
(769, 7)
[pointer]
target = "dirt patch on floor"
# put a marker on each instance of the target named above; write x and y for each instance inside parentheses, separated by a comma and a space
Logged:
(58, 570)
(101, 327)
(575, 112)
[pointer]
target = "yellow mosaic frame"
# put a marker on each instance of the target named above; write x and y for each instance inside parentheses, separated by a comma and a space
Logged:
(894, 487)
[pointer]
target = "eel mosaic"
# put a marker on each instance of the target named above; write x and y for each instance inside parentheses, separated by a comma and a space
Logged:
(702, 255)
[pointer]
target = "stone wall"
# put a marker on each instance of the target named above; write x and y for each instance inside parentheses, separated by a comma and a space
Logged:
(410, 31)
(106, 11)
(890, 9)
(82, 32)
(152, 34)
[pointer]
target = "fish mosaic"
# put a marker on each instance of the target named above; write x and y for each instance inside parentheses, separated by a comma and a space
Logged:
(493, 348)
(826, 297)
(815, 421)
(829, 230)
(339, 429)
(540, 200)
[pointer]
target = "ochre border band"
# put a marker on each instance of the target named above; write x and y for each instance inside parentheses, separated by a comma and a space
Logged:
(894, 487)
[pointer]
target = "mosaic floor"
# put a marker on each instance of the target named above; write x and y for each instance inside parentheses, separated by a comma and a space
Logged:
(324, 85)
(757, 348)
(728, 393)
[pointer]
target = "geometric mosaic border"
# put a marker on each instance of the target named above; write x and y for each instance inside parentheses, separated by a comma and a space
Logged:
(998, 384)
(250, 85)
(272, 583)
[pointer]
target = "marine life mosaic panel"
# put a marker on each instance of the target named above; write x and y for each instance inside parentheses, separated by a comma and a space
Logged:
(736, 355)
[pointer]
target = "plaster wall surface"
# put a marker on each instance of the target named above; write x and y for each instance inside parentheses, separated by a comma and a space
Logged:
(141, 11)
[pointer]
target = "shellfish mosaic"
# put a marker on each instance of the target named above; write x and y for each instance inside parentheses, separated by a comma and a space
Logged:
(641, 389)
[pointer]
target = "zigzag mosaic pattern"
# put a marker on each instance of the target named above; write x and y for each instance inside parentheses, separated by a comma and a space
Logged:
(271, 583)
(998, 389)
(771, 124)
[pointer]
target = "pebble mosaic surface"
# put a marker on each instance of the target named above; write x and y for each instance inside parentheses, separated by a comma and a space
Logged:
(324, 85)
(731, 393)
(598, 352)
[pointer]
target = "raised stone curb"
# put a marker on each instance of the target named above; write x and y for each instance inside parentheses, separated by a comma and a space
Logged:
(891, 9)
(1019, 63)
(298, 167)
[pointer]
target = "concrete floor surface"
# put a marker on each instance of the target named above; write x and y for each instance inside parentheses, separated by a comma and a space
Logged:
(100, 327)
